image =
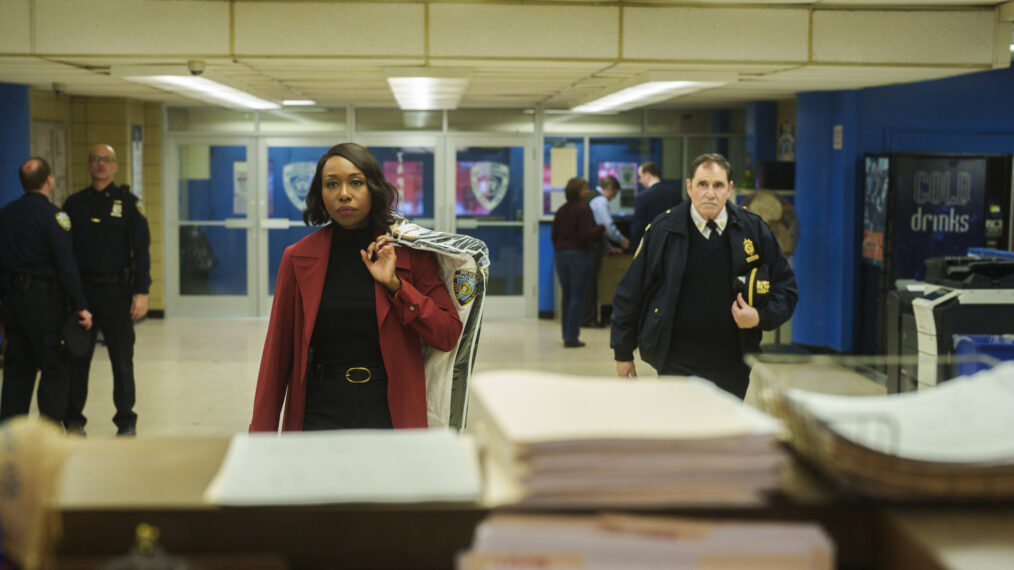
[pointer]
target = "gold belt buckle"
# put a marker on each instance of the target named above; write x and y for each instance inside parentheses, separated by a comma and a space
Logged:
(348, 375)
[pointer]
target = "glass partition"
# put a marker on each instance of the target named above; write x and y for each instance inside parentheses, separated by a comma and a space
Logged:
(305, 120)
(562, 148)
(290, 171)
(489, 204)
(491, 120)
(210, 120)
(372, 120)
(212, 213)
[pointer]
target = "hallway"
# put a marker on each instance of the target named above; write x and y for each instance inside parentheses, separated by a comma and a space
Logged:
(197, 377)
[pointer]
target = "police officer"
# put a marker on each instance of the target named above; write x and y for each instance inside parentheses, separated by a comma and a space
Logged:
(679, 303)
(111, 242)
(38, 280)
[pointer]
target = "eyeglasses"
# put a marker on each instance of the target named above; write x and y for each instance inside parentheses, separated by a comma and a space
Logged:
(105, 159)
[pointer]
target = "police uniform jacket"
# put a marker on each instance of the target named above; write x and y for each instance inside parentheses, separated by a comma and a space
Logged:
(109, 227)
(650, 203)
(35, 240)
(421, 310)
(645, 302)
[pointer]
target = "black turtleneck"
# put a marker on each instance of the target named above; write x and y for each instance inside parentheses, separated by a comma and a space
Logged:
(346, 330)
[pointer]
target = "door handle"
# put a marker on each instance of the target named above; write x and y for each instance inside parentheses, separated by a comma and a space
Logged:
(236, 223)
(275, 223)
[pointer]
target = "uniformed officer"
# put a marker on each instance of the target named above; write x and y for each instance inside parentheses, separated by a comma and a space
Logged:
(111, 242)
(679, 303)
(39, 284)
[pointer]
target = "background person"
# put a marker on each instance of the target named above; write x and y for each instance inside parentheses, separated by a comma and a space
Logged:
(351, 309)
(612, 242)
(573, 233)
(657, 197)
(38, 280)
(676, 302)
(111, 243)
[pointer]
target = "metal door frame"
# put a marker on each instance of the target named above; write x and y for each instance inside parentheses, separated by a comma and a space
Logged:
(178, 305)
(503, 306)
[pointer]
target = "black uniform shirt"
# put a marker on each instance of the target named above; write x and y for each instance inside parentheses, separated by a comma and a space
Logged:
(107, 224)
(35, 239)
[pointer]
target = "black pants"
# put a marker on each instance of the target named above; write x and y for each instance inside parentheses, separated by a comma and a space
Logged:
(110, 307)
(733, 377)
(332, 402)
(32, 322)
(590, 305)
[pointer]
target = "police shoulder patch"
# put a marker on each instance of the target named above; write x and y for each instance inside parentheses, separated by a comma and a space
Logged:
(64, 220)
(464, 286)
(140, 208)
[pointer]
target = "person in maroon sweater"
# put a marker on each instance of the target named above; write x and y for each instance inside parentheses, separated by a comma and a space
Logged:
(574, 231)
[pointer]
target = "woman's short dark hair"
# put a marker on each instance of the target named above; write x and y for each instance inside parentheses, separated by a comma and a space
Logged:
(383, 194)
(573, 190)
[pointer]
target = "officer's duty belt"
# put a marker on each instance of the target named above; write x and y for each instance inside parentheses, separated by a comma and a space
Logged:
(26, 281)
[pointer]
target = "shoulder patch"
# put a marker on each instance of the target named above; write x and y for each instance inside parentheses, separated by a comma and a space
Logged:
(464, 286)
(140, 208)
(64, 220)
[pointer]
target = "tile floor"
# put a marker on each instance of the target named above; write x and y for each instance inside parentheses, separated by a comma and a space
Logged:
(197, 377)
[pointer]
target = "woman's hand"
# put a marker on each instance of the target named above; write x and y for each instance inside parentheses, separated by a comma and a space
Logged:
(380, 260)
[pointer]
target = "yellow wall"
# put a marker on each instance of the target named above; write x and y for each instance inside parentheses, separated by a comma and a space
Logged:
(91, 121)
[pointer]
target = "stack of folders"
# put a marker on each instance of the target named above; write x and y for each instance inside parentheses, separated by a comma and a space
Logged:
(559, 441)
(617, 542)
(347, 466)
(954, 441)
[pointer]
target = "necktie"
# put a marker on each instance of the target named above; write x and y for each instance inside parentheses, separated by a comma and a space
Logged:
(713, 236)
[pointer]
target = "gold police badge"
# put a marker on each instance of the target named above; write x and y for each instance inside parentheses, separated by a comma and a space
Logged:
(117, 211)
(763, 287)
(748, 248)
(64, 220)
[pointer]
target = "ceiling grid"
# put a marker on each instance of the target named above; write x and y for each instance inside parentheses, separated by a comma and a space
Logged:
(520, 54)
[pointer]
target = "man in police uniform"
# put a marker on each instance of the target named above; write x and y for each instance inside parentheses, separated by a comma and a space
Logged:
(678, 302)
(111, 245)
(38, 281)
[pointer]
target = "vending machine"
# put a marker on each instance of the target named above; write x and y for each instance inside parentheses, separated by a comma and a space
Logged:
(921, 206)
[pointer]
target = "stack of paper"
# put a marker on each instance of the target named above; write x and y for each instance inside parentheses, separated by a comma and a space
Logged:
(953, 441)
(564, 441)
(633, 543)
(353, 466)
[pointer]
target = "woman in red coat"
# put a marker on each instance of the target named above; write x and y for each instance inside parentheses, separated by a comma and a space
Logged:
(351, 310)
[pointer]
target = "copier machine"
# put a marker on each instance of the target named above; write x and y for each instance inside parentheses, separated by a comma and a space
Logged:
(962, 295)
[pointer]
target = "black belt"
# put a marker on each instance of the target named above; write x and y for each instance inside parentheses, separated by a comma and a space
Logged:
(352, 374)
(26, 281)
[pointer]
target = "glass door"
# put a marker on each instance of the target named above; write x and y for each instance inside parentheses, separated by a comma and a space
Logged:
(290, 165)
(210, 248)
(489, 180)
(409, 163)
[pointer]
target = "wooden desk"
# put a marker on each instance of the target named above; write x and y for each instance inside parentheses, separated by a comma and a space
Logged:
(111, 485)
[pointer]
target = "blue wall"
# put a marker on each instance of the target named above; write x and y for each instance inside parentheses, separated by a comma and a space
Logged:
(968, 114)
(14, 138)
(761, 118)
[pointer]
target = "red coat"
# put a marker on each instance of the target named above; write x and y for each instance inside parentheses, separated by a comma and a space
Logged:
(421, 310)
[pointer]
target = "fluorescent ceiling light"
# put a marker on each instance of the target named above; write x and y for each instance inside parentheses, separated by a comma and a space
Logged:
(652, 87)
(298, 102)
(179, 79)
(427, 89)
